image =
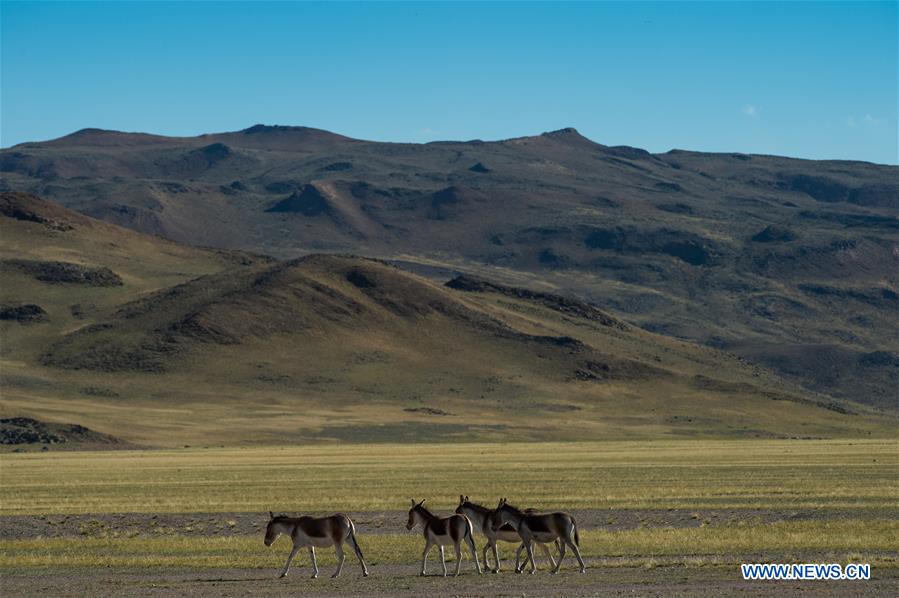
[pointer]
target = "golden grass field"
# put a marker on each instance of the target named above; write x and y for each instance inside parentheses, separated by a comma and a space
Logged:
(831, 477)
(845, 474)
(744, 501)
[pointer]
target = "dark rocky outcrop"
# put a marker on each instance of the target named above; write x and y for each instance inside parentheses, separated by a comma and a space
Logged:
(688, 247)
(25, 314)
(307, 201)
(565, 305)
(25, 430)
(66, 273)
(774, 234)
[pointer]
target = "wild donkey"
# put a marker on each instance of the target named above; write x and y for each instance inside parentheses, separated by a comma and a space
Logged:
(540, 528)
(442, 531)
(315, 532)
(480, 518)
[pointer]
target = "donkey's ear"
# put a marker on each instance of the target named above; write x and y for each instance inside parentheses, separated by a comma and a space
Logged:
(422, 502)
(271, 515)
(412, 500)
(461, 499)
(466, 498)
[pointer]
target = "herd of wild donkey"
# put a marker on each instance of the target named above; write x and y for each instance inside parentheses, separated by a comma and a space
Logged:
(505, 523)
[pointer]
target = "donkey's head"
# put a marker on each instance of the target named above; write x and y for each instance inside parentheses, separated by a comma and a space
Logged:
(415, 513)
(501, 515)
(274, 528)
(464, 503)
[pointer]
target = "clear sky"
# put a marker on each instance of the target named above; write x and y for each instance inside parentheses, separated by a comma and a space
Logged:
(807, 79)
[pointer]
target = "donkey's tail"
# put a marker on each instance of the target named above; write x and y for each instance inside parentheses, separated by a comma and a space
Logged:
(356, 548)
(469, 535)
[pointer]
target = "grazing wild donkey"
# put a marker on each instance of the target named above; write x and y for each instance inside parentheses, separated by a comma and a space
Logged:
(540, 528)
(441, 531)
(480, 518)
(315, 532)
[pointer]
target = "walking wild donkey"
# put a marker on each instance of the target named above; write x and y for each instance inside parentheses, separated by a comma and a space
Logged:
(441, 531)
(315, 533)
(545, 527)
(480, 518)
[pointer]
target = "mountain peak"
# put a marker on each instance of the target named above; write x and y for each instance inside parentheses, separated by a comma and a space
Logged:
(567, 131)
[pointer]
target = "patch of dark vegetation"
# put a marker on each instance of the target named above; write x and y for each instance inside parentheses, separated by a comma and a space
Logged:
(852, 220)
(542, 233)
(480, 168)
(879, 359)
(668, 187)
(549, 258)
(883, 195)
(234, 188)
(610, 368)
(879, 297)
(876, 195)
(25, 314)
(774, 234)
(685, 246)
(215, 151)
(817, 187)
(714, 384)
(410, 432)
(22, 206)
(198, 326)
(675, 208)
(337, 167)
(557, 407)
(605, 202)
(25, 430)
(99, 391)
(426, 410)
(564, 342)
(565, 305)
(308, 201)
(172, 187)
(446, 203)
(66, 273)
(628, 152)
(359, 279)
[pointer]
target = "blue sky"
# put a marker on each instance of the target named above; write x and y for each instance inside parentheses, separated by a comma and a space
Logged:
(806, 79)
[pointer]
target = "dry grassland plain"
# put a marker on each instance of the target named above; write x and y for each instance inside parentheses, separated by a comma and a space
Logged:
(656, 516)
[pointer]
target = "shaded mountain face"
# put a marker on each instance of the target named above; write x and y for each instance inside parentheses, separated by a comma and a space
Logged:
(165, 344)
(723, 249)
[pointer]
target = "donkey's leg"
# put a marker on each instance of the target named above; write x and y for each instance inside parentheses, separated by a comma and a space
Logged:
(529, 544)
(358, 552)
(424, 556)
(487, 546)
(458, 547)
(495, 559)
(314, 563)
(519, 568)
(561, 556)
(341, 557)
(552, 561)
(443, 560)
(577, 554)
(293, 553)
(474, 553)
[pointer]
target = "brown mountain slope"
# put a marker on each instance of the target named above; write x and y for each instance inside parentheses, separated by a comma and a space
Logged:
(791, 263)
(328, 347)
(70, 269)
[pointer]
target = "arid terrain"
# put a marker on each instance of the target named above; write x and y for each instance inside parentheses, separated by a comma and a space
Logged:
(695, 354)
(157, 343)
(791, 264)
